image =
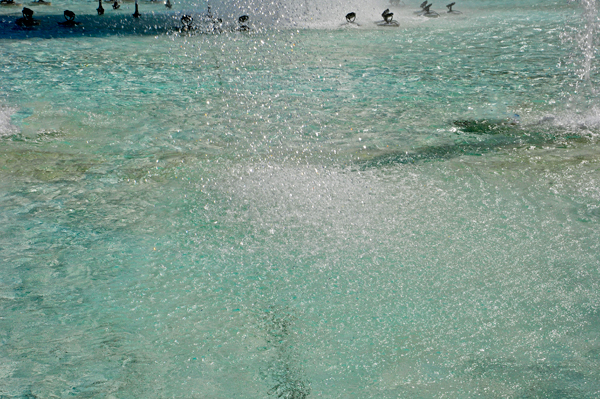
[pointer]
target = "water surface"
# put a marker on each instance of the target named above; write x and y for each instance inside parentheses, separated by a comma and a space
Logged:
(309, 209)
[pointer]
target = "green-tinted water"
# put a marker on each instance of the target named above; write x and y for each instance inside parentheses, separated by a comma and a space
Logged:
(355, 212)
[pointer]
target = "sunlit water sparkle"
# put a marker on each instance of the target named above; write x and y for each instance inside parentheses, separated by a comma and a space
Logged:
(309, 209)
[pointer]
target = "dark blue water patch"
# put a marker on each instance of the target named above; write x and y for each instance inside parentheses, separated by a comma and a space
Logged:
(152, 22)
(121, 23)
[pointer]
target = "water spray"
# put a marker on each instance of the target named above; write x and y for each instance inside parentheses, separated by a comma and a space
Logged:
(582, 33)
(588, 39)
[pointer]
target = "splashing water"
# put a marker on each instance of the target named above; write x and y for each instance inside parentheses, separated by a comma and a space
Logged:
(588, 37)
(582, 33)
(6, 126)
(302, 13)
(348, 211)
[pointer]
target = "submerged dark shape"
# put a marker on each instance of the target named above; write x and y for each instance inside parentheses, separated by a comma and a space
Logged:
(289, 387)
(100, 9)
(500, 134)
(27, 19)
(69, 19)
(351, 17)
(168, 4)
(287, 377)
(486, 126)
(116, 5)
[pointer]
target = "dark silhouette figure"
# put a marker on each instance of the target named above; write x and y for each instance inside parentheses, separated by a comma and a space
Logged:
(100, 9)
(168, 4)
(387, 16)
(351, 17)
(136, 14)
(69, 19)
(27, 20)
(451, 11)
(116, 5)
(214, 23)
(428, 13)
(423, 5)
(242, 21)
(186, 22)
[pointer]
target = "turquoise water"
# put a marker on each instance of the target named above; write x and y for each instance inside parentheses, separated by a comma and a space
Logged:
(309, 209)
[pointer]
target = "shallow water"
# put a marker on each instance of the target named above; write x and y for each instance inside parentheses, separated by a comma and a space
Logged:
(309, 209)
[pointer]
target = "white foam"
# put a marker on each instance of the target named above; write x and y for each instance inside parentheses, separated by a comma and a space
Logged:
(590, 121)
(6, 127)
